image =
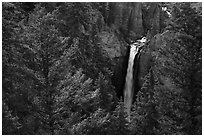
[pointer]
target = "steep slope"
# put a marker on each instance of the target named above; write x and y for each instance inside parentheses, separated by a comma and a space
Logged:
(125, 23)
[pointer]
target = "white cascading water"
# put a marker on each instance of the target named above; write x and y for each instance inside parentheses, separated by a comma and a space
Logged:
(129, 88)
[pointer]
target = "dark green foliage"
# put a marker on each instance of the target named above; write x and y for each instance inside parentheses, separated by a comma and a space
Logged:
(106, 93)
(81, 23)
(10, 122)
(144, 114)
(14, 95)
(102, 122)
(93, 125)
(43, 48)
(170, 100)
(187, 20)
(43, 60)
(174, 92)
(56, 78)
(118, 124)
(76, 100)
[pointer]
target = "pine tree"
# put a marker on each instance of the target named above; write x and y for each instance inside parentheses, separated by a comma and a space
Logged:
(76, 97)
(43, 57)
(14, 81)
(42, 47)
(144, 114)
(176, 91)
(95, 124)
(173, 65)
(102, 122)
(106, 93)
(118, 123)
(187, 21)
(10, 123)
(81, 23)
(79, 104)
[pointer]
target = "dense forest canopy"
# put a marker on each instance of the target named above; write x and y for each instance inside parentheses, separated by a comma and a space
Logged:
(64, 68)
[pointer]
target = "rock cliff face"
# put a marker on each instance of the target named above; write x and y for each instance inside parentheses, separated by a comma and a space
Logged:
(111, 44)
(127, 19)
(152, 18)
(127, 22)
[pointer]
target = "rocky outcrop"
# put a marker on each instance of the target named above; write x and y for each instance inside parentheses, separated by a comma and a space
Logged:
(152, 18)
(111, 45)
(135, 20)
(145, 63)
(127, 19)
(128, 22)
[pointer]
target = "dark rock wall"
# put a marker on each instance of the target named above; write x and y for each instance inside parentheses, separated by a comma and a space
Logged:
(153, 18)
(120, 71)
(144, 65)
(127, 22)
(127, 19)
(136, 73)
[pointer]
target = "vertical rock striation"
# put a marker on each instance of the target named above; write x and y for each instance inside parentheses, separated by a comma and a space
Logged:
(127, 22)
(127, 19)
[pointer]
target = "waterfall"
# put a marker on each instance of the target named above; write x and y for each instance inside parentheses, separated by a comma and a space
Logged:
(129, 87)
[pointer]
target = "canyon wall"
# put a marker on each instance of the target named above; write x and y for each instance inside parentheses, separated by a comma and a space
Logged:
(127, 22)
